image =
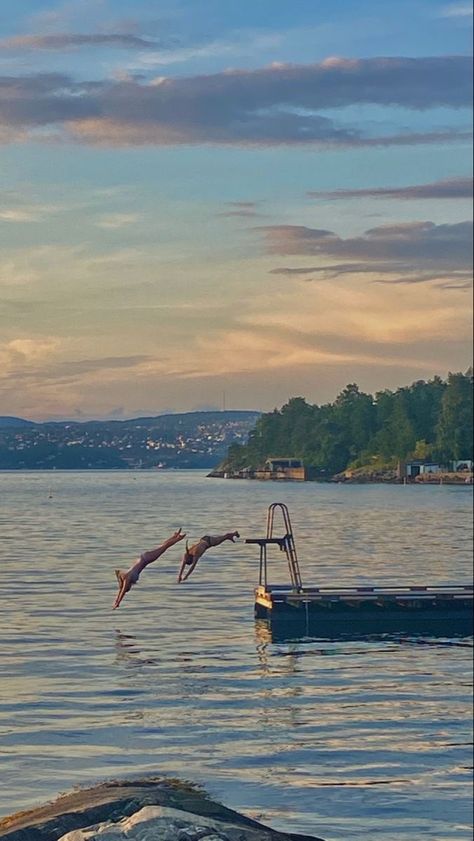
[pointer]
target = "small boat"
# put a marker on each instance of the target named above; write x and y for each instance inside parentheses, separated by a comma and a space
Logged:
(362, 611)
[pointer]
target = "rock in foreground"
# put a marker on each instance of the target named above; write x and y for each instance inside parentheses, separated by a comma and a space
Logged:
(139, 810)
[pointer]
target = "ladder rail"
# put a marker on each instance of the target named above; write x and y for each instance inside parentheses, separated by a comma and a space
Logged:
(288, 543)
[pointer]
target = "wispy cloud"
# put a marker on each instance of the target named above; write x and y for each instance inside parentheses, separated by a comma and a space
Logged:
(26, 214)
(115, 221)
(245, 214)
(243, 209)
(457, 10)
(242, 205)
(390, 270)
(416, 252)
(18, 215)
(270, 106)
(448, 188)
(73, 41)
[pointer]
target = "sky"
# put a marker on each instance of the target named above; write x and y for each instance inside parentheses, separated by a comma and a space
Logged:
(224, 203)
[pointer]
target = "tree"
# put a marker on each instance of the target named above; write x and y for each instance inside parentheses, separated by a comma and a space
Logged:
(423, 404)
(356, 414)
(422, 450)
(357, 429)
(454, 438)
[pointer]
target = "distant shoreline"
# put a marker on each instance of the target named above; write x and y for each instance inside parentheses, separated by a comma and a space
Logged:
(429, 479)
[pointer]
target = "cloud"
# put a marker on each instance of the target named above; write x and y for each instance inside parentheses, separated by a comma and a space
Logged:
(31, 348)
(285, 337)
(457, 10)
(466, 285)
(242, 205)
(435, 275)
(72, 41)
(245, 42)
(448, 188)
(25, 354)
(335, 270)
(101, 364)
(416, 251)
(115, 221)
(34, 360)
(26, 213)
(241, 208)
(271, 106)
(17, 215)
(247, 213)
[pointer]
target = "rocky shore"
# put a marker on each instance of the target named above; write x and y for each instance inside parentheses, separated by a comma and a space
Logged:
(359, 476)
(138, 810)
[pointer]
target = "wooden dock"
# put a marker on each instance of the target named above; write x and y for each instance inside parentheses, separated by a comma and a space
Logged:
(334, 611)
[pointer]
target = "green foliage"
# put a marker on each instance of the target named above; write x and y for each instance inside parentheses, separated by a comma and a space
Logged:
(454, 431)
(424, 420)
(423, 450)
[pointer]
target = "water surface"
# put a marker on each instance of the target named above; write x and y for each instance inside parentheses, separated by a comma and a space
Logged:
(354, 739)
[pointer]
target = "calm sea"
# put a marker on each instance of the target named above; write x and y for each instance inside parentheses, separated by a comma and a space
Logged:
(348, 740)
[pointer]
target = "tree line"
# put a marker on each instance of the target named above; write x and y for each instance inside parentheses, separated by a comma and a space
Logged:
(426, 420)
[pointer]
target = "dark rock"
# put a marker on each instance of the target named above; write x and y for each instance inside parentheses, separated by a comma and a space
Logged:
(187, 815)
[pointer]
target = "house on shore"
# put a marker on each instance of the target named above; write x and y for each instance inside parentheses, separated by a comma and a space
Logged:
(421, 467)
(289, 469)
(462, 465)
(422, 470)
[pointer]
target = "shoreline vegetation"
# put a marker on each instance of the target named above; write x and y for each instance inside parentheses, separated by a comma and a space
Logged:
(388, 477)
(419, 434)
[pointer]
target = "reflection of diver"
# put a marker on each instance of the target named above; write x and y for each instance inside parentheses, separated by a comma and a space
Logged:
(125, 646)
(128, 651)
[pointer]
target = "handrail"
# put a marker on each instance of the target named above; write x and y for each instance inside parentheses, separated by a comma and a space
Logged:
(285, 543)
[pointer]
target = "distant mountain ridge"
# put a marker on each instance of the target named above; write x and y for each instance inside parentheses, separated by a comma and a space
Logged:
(182, 440)
(6, 420)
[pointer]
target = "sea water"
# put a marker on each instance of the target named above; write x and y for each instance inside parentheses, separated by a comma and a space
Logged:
(354, 739)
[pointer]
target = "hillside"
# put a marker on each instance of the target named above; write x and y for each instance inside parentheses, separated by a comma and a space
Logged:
(6, 421)
(187, 440)
(426, 420)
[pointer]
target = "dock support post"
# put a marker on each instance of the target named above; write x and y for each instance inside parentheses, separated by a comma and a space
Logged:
(262, 579)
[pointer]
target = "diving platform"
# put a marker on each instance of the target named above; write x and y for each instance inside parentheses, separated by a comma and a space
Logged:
(334, 611)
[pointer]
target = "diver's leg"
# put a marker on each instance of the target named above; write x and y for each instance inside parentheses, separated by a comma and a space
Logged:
(216, 540)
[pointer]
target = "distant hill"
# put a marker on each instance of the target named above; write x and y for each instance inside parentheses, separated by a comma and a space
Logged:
(186, 440)
(9, 421)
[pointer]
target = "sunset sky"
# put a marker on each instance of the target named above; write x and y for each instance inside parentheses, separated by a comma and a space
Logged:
(223, 200)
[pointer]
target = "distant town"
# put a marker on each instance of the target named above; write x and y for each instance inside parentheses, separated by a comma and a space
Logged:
(189, 440)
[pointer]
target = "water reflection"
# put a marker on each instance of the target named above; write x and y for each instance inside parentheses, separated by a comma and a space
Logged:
(268, 631)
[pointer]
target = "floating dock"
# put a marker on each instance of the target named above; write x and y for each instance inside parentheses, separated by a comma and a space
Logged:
(338, 611)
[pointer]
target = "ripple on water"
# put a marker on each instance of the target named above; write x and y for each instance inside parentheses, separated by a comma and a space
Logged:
(340, 738)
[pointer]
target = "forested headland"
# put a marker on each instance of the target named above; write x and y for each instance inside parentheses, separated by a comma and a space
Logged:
(426, 420)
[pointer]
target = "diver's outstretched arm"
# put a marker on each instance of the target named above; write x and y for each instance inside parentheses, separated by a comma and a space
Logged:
(190, 569)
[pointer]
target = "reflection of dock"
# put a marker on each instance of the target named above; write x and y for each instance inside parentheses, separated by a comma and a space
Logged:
(327, 611)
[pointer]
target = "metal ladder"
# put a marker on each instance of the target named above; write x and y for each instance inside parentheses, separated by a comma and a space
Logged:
(288, 543)
(285, 543)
